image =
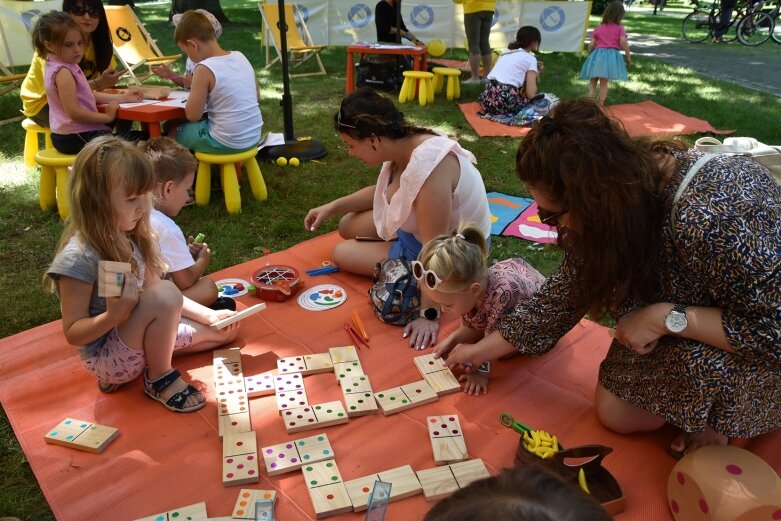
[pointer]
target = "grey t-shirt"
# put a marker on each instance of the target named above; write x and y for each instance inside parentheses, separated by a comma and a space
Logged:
(80, 261)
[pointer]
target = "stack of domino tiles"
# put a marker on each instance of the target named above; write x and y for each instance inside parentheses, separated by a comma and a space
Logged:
(239, 443)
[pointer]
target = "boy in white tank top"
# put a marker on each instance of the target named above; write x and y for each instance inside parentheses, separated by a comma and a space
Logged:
(225, 80)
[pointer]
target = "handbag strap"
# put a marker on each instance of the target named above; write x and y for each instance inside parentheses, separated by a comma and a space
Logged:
(684, 185)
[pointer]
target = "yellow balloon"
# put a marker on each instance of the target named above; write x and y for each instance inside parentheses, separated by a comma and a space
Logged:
(436, 48)
(281, 161)
(294, 161)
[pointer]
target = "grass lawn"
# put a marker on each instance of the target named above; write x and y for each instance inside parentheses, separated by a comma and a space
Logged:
(30, 236)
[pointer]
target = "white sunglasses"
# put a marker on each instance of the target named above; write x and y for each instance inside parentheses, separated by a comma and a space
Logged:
(431, 279)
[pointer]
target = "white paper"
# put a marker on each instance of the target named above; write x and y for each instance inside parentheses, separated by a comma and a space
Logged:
(138, 103)
(272, 139)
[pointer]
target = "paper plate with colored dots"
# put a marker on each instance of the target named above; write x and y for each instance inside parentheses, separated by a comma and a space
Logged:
(232, 287)
(323, 297)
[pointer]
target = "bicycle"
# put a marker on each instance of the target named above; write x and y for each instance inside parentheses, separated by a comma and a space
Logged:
(757, 26)
(701, 23)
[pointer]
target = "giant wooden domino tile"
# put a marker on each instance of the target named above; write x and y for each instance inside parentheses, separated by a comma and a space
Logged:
(437, 374)
(442, 481)
(81, 435)
(314, 416)
(447, 439)
(291, 400)
(196, 512)
(260, 384)
(240, 459)
(326, 489)
(241, 315)
(405, 397)
(343, 354)
(227, 359)
(403, 482)
(358, 396)
(344, 369)
(111, 277)
(468, 471)
(306, 364)
(245, 503)
(289, 456)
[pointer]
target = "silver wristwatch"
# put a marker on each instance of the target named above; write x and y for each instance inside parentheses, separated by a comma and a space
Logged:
(676, 321)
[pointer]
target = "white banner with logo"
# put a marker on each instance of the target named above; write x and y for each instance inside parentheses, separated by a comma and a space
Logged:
(343, 22)
(16, 20)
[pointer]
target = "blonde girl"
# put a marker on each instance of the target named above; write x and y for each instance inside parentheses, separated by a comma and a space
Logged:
(604, 61)
(73, 113)
(452, 270)
(137, 332)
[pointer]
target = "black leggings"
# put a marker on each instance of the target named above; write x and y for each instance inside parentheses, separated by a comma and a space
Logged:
(73, 143)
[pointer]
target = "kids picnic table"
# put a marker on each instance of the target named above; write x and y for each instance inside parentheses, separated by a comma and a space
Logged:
(418, 53)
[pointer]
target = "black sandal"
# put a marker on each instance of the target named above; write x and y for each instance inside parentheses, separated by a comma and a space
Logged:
(177, 401)
(107, 388)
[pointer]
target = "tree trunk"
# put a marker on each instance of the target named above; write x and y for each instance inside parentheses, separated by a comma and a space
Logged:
(213, 6)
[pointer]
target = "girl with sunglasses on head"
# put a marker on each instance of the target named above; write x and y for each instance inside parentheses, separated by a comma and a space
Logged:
(427, 185)
(98, 63)
(683, 250)
(452, 270)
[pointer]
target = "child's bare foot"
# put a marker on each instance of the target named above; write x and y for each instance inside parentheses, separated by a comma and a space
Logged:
(686, 442)
(476, 383)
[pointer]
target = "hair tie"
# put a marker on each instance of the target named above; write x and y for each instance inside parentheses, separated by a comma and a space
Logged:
(549, 126)
(460, 236)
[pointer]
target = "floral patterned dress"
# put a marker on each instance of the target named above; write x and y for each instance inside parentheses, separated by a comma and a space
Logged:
(725, 252)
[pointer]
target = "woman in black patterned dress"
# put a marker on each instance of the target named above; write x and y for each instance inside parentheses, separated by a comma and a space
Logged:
(696, 296)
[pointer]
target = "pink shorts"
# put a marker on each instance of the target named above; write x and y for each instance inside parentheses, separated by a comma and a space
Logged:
(116, 363)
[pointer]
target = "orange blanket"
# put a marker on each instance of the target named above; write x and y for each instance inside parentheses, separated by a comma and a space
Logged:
(639, 119)
(162, 460)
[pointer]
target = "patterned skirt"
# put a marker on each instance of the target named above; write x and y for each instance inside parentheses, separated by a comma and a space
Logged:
(604, 63)
(507, 104)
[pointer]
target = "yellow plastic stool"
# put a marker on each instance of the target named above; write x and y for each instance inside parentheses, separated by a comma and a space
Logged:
(423, 84)
(229, 178)
(453, 84)
(53, 189)
(31, 144)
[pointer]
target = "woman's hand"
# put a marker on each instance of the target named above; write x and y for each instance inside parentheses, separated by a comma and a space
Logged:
(108, 79)
(422, 333)
(642, 328)
(315, 216)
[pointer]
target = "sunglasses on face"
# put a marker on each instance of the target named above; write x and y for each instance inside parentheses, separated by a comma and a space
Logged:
(79, 10)
(431, 279)
(550, 218)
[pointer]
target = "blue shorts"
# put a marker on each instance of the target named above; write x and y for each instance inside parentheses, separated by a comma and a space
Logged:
(407, 247)
(195, 136)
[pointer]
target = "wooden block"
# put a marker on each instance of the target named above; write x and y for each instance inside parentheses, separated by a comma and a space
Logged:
(403, 482)
(305, 418)
(227, 360)
(393, 400)
(340, 355)
(232, 400)
(468, 471)
(437, 482)
(326, 489)
(315, 448)
(260, 384)
(289, 456)
(111, 277)
(284, 383)
(245, 503)
(318, 363)
(428, 364)
(81, 435)
(360, 404)
(447, 439)
(356, 384)
(291, 400)
(234, 423)
(241, 315)
(437, 374)
(196, 512)
(345, 369)
(420, 392)
(360, 489)
(240, 459)
(291, 364)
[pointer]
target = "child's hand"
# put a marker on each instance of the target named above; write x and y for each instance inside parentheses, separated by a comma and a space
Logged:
(132, 96)
(121, 307)
(164, 71)
(219, 314)
(628, 62)
(111, 110)
(540, 67)
(476, 383)
(196, 247)
(444, 347)
(204, 252)
(465, 355)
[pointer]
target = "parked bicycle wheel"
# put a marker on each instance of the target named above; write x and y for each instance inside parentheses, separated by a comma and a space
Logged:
(732, 29)
(776, 34)
(755, 28)
(697, 26)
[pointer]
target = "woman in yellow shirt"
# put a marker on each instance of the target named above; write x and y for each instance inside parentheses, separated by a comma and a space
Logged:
(478, 15)
(98, 63)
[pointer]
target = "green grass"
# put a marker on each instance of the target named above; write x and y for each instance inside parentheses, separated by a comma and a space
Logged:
(30, 236)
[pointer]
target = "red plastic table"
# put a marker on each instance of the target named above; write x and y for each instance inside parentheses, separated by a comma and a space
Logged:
(151, 115)
(418, 53)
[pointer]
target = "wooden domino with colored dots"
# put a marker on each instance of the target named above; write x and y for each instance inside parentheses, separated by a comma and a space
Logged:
(240, 459)
(403, 482)
(439, 482)
(230, 392)
(291, 392)
(196, 512)
(358, 396)
(306, 364)
(241, 315)
(260, 384)
(314, 416)
(111, 277)
(437, 374)
(326, 489)
(447, 439)
(340, 355)
(344, 369)
(245, 503)
(289, 456)
(405, 397)
(81, 435)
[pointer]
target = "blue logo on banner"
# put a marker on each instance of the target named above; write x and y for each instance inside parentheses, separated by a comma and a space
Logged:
(552, 18)
(359, 15)
(422, 16)
(304, 12)
(495, 17)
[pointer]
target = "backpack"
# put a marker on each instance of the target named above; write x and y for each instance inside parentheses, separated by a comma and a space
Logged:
(380, 72)
(766, 155)
(394, 295)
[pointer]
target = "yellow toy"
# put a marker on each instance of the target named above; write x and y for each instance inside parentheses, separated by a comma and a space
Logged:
(281, 161)
(294, 161)
(436, 48)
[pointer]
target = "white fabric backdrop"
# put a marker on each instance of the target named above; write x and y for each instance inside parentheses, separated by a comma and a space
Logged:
(343, 22)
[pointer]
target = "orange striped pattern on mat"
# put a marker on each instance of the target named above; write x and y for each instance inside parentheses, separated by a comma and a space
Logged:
(162, 460)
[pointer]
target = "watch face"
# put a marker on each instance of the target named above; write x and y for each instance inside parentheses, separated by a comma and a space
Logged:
(676, 322)
(430, 314)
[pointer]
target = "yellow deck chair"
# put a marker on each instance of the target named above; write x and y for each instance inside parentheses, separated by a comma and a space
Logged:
(300, 46)
(133, 44)
(9, 80)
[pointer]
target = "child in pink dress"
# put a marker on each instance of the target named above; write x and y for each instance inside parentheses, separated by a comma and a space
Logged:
(604, 62)
(452, 270)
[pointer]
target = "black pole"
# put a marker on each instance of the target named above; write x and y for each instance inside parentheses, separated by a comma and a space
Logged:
(287, 100)
(398, 21)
